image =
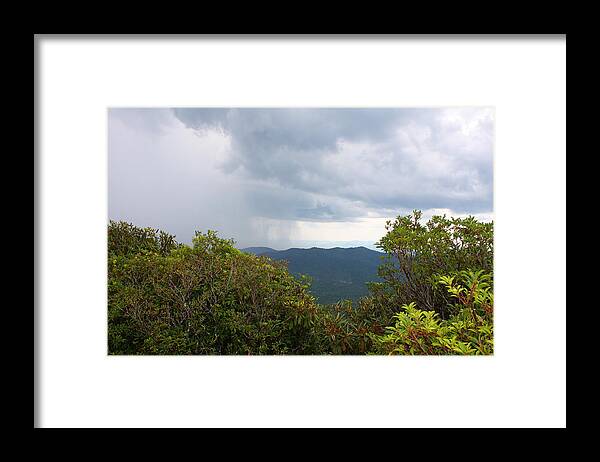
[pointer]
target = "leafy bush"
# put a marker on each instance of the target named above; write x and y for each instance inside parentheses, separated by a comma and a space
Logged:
(210, 298)
(418, 254)
(206, 299)
(468, 332)
(126, 239)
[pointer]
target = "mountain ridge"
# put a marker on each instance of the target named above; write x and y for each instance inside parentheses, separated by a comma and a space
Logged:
(336, 273)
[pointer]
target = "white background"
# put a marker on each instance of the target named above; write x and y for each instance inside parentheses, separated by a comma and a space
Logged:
(522, 385)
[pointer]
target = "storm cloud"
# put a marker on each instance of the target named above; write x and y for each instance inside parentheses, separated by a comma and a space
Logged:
(260, 175)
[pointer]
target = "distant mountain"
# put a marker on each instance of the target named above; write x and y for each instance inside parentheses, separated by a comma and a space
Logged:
(258, 250)
(338, 273)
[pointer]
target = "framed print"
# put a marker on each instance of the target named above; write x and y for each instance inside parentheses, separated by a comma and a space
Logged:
(300, 232)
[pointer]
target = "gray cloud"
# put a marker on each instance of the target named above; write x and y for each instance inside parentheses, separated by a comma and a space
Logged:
(385, 158)
(253, 174)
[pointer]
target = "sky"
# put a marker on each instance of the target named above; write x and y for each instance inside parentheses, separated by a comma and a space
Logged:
(297, 177)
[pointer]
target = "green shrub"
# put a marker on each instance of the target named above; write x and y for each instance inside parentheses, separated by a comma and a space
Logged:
(418, 254)
(167, 298)
(468, 332)
(127, 239)
(209, 298)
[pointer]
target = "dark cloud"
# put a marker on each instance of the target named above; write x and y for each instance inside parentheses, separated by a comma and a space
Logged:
(321, 212)
(385, 158)
(257, 174)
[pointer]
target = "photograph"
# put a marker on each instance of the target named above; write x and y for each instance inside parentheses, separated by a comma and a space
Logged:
(300, 230)
(355, 231)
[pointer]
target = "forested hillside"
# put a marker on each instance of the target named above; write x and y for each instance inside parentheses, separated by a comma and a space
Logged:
(335, 274)
(434, 296)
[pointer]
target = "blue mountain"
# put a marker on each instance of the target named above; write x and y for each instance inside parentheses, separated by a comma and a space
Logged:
(337, 274)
